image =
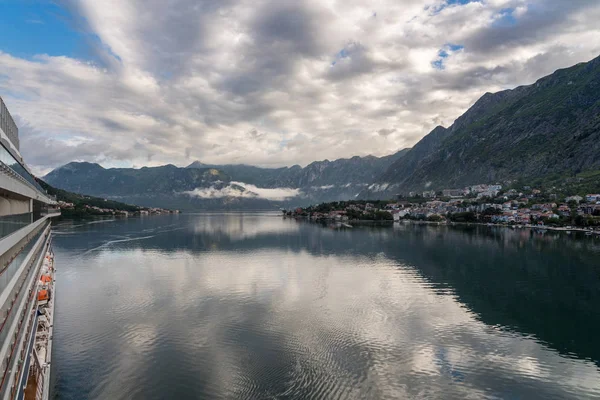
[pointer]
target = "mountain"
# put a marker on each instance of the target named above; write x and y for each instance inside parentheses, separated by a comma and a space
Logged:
(81, 202)
(203, 186)
(319, 181)
(548, 131)
(83, 177)
(267, 177)
(150, 187)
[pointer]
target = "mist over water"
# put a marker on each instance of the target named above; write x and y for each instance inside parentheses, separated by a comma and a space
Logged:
(255, 306)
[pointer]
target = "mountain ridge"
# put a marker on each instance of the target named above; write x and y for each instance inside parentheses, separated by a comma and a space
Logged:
(354, 170)
(547, 131)
(200, 185)
(549, 128)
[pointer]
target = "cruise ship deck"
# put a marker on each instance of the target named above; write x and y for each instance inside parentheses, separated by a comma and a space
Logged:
(26, 273)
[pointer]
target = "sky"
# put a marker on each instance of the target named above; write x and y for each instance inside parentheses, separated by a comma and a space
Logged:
(149, 82)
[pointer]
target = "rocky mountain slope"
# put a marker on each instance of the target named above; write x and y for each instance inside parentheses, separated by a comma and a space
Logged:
(355, 170)
(546, 130)
(319, 181)
(152, 187)
(83, 177)
(201, 186)
(82, 203)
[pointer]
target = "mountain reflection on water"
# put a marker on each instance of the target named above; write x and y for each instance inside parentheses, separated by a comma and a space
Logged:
(255, 306)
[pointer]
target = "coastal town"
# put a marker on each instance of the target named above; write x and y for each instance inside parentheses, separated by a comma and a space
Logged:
(67, 207)
(483, 203)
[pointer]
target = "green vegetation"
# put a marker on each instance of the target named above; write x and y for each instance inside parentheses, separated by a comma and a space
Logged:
(82, 204)
(559, 186)
(163, 186)
(463, 217)
(342, 205)
(370, 216)
(545, 133)
(522, 204)
(353, 210)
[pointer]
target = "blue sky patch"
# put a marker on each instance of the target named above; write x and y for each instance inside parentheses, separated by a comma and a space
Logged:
(505, 18)
(444, 53)
(461, 2)
(454, 47)
(28, 28)
(439, 8)
(438, 64)
(344, 53)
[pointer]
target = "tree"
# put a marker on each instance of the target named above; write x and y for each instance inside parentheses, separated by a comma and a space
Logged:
(492, 211)
(463, 217)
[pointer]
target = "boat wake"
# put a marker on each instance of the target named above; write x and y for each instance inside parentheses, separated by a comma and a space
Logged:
(111, 242)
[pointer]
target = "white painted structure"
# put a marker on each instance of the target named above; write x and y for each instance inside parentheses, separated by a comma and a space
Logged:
(25, 249)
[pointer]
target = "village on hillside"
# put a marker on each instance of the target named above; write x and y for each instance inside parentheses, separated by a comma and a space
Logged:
(481, 203)
(68, 208)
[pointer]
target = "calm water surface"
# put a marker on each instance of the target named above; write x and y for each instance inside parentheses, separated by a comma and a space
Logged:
(253, 306)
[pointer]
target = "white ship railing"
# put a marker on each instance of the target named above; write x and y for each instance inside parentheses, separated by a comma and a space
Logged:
(10, 241)
(11, 350)
(7, 170)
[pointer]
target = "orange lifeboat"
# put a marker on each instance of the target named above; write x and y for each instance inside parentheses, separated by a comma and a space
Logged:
(46, 278)
(43, 295)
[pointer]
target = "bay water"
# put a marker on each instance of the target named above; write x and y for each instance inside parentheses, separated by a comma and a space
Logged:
(254, 306)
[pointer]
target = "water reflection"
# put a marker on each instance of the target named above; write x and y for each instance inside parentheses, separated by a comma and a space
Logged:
(237, 226)
(253, 306)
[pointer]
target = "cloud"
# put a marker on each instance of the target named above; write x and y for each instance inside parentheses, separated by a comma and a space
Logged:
(244, 190)
(386, 132)
(324, 187)
(276, 83)
(378, 187)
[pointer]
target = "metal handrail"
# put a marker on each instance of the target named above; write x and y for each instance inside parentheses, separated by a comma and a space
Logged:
(12, 223)
(10, 171)
(6, 307)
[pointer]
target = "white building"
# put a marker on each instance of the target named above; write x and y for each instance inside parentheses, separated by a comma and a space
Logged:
(575, 198)
(592, 198)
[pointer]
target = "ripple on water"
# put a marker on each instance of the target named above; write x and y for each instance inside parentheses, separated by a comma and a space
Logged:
(207, 310)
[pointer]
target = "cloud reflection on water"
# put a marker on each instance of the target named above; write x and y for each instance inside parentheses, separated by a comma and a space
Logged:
(260, 317)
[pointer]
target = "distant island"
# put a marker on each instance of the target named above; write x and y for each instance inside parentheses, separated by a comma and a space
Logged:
(74, 205)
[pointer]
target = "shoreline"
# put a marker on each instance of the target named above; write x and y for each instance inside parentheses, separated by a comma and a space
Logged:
(349, 223)
(532, 227)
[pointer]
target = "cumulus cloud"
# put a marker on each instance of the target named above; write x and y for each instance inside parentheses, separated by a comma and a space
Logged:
(244, 190)
(386, 132)
(277, 83)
